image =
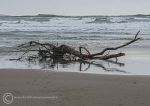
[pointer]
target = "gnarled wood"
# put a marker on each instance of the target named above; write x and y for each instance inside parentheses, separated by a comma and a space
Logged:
(47, 50)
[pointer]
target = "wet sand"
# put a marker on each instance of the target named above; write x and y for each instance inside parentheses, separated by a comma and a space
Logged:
(135, 62)
(74, 89)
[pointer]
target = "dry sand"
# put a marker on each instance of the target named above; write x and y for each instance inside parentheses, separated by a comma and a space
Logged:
(74, 89)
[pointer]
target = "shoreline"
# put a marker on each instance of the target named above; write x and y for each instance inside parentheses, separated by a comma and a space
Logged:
(69, 72)
(135, 62)
(74, 89)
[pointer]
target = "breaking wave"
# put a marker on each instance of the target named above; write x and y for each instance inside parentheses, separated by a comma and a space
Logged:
(53, 27)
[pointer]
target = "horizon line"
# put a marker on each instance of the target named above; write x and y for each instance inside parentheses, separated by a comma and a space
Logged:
(73, 15)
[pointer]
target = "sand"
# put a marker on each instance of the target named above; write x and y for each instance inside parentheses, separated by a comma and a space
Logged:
(73, 89)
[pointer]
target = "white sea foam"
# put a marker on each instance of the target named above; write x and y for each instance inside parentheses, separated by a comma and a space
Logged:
(20, 29)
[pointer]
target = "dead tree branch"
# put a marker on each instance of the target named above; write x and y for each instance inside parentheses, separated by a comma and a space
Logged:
(47, 50)
(118, 47)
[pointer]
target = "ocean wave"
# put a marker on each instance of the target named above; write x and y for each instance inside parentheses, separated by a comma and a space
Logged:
(92, 28)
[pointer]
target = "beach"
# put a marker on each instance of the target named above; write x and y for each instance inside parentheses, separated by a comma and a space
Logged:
(51, 82)
(135, 62)
(73, 89)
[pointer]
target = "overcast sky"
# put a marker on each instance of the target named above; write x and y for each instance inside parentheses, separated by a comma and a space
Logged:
(74, 7)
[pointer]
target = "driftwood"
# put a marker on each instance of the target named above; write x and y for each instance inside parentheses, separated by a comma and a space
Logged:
(52, 54)
(47, 50)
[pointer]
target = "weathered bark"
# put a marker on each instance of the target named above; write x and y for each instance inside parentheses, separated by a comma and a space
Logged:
(47, 50)
(118, 47)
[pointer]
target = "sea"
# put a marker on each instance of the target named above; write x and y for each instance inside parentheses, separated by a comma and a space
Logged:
(93, 32)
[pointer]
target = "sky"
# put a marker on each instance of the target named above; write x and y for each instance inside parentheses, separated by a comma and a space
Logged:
(74, 7)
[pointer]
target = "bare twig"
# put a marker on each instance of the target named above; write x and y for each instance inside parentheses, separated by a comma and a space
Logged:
(118, 47)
